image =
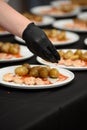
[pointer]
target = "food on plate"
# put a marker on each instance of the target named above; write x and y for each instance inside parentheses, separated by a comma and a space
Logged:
(76, 58)
(53, 73)
(34, 75)
(77, 24)
(56, 35)
(9, 50)
(60, 9)
(33, 17)
(67, 7)
(36, 71)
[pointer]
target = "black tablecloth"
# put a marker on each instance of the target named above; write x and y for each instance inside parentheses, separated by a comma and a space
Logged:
(63, 108)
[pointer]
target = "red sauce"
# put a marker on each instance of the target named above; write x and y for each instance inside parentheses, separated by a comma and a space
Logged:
(62, 77)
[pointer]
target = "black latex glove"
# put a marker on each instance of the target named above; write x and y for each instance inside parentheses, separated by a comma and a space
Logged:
(39, 44)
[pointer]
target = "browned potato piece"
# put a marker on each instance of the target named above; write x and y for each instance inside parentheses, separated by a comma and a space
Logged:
(61, 53)
(68, 54)
(53, 73)
(27, 66)
(74, 57)
(78, 52)
(5, 47)
(34, 71)
(14, 49)
(62, 35)
(21, 71)
(53, 33)
(43, 72)
(16, 46)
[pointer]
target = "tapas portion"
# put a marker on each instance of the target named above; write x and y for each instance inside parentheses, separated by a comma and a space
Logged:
(28, 76)
(13, 52)
(74, 59)
(58, 37)
(60, 11)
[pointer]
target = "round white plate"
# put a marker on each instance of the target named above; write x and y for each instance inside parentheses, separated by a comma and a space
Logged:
(38, 10)
(72, 38)
(40, 60)
(60, 24)
(24, 52)
(54, 84)
(85, 41)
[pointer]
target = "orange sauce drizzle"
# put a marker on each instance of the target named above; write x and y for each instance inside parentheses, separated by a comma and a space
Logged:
(62, 77)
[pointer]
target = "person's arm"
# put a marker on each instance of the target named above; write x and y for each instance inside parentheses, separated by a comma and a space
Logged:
(36, 40)
(12, 20)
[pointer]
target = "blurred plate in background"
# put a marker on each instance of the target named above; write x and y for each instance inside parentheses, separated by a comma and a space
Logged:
(51, 11)
(70, 25)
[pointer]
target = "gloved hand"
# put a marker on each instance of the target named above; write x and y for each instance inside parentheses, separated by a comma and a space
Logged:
(39, 44)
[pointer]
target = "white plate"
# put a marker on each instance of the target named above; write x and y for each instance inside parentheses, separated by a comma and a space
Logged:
(23, 86)
(85, 41)
(83, 15)
(72, 38)
(24, 52)
(38, 10)
(40, 60)
(60, 24)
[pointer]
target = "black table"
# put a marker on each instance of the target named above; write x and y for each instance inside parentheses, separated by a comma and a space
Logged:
(63, 108)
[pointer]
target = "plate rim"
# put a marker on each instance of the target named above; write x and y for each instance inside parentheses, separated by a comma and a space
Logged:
(85, 41)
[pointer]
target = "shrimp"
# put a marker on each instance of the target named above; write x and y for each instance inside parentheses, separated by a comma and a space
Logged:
(39, 81)
(8, 77)
(29, 80)
(5, 56)
(78, 63)
(68, 62)
(61, 61)
(18, 79)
